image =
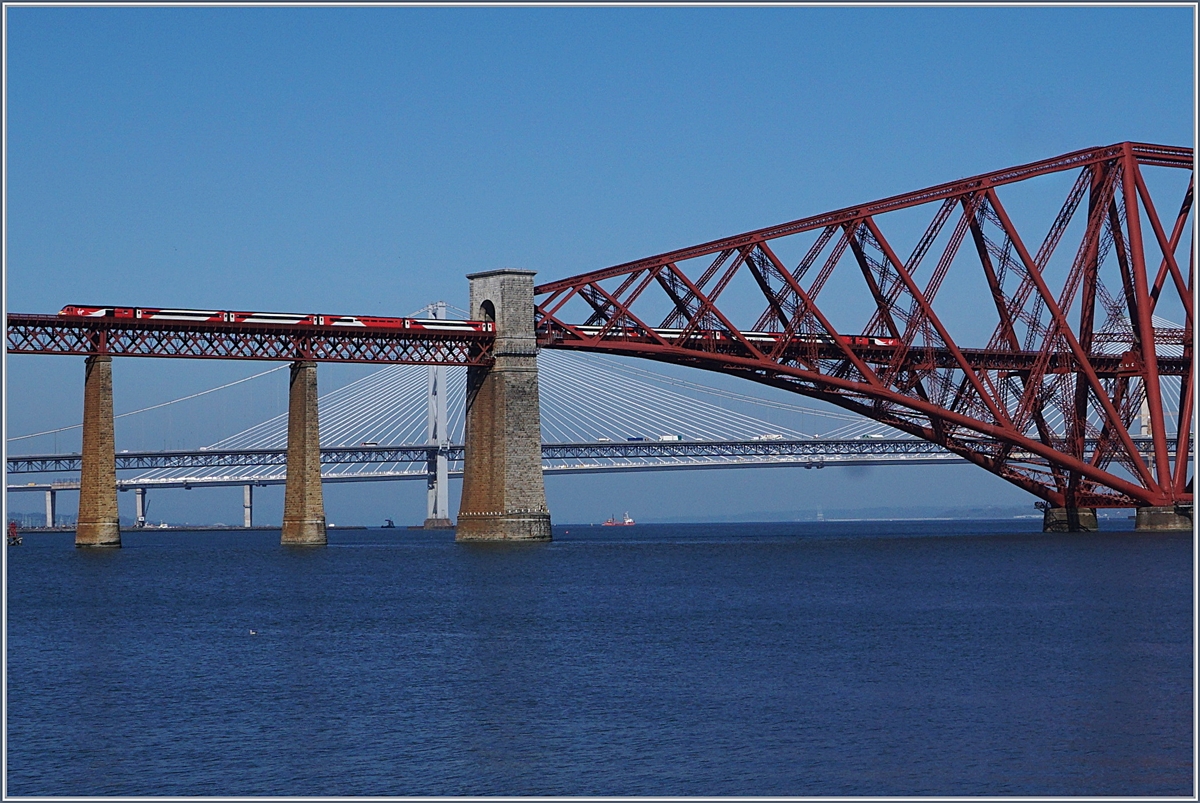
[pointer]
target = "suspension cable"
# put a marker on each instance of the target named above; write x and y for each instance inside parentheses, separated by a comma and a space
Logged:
(155, 406)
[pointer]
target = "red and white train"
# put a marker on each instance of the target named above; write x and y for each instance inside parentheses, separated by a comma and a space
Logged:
(859, 341)
(277, 318)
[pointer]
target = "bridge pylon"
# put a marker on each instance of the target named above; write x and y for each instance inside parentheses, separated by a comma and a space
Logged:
(503, 495)
(437, 509)
(303, 502)
(98, 524)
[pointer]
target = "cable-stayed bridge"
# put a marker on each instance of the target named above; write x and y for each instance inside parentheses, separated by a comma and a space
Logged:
(598, 415)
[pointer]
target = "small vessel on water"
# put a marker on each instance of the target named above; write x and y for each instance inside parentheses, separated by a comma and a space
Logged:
(624, 522)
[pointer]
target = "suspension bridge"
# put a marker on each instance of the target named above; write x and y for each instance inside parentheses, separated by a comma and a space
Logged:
(1062, 379)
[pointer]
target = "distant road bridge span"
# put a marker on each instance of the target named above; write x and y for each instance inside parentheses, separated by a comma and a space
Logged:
(767, 452)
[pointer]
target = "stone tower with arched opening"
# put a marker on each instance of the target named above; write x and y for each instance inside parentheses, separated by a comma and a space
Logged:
(503, 495)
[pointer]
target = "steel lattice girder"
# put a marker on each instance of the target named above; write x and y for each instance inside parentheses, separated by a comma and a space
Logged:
(1048, 359)
(49, 334)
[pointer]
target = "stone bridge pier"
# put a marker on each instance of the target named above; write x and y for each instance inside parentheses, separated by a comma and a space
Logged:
(303, 500)
(1069, 520)
(503, 495)
(97, 525)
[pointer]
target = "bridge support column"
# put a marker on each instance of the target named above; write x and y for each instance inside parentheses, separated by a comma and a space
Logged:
(98, 524)
(1069, 520)
(50, 507)
(437, 508)
(140, 495)
(503, 495)
(303, 504)
(1169, 518)
(437, 472)
(247, 506)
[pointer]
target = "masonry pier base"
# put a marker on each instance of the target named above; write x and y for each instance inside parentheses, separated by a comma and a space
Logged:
(98, 524)
(503, 495)
(303, 503)
(1162, 519)
(1069, 520)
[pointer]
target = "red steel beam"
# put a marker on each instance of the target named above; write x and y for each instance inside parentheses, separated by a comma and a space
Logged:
(923, 381)
(1144, 322)
(841, 385)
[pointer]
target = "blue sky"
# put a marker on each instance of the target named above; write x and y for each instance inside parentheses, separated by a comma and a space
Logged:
(364, 160)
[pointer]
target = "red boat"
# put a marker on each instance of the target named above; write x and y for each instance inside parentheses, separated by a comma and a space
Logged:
(625, 522)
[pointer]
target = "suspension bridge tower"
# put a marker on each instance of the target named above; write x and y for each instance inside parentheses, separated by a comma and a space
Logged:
(503, 495)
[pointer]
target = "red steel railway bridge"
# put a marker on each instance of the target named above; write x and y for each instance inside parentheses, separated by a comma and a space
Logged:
(1037, 378)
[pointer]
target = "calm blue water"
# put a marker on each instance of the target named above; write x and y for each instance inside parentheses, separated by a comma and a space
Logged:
(779, 659)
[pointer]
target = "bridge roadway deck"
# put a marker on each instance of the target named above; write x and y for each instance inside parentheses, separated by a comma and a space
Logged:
(133, 337)
(602, 450)
(809, 453)
(815, 453)
(1107, 358)
(128, 337)
(419, 453)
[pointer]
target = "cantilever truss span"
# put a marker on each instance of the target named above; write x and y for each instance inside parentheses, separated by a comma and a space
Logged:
(1046, 362)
